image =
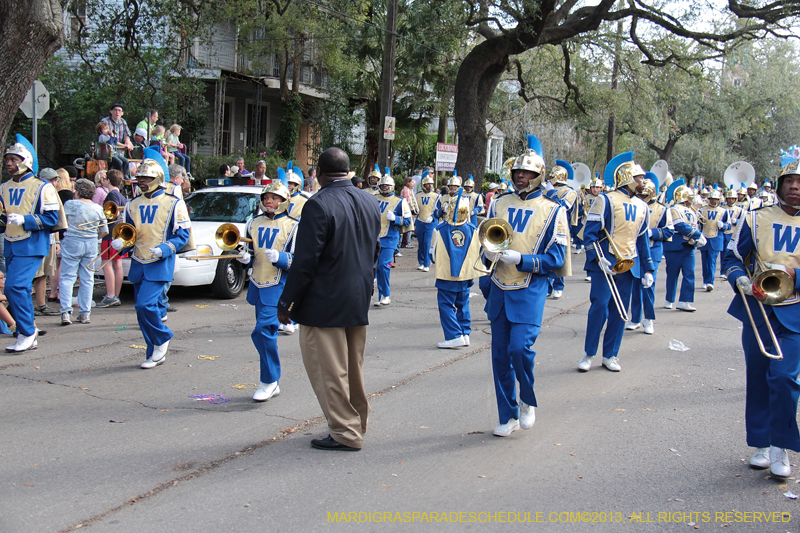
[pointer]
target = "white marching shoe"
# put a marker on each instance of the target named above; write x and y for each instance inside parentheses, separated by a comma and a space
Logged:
(648, 326)
(289, 328)
(557, 294)
(426, 269)
(585, 363)
(504, 430)
(158, 357)
(385, 300)
(612, 363)
(779, 462)
(458, 342)
(421, 267)
(760, 459)
(668, 305)
(630, 326)
(709, 287)
(266, 391)
(685, 306)
(527, 415)
(466, 339)
(25, 343)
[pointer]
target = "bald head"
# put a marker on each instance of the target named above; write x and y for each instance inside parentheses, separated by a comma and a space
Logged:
(334, 161)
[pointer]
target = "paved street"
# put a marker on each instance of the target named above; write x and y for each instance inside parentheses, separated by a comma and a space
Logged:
(92, 441)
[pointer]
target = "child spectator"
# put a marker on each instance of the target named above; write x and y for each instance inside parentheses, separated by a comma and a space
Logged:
(104, 136)
(174, 146)
(8, 325)
(158, 136)
(100, 191)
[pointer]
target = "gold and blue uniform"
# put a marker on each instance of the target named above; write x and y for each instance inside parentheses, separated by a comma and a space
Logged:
(296, 202)
(389, 236)
(715, 239)
(424, 230)
(660, 230)
(679, 253)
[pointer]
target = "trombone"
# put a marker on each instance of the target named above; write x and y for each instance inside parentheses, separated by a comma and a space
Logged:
(227, 238)
(776, 286)
(112, 212)
(123, 231)
(621, 265)
(495, 235)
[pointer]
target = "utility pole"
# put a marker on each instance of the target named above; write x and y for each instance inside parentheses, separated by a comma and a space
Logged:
(387, 80)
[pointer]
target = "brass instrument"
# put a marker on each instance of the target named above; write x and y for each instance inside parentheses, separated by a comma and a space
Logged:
(112, 212)
(123, 231)
(495, 235)
(776, 286)
(621, 265)
(227, 238)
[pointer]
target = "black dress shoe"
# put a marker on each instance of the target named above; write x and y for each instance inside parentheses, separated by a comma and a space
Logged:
(329, 444)
(171, 309)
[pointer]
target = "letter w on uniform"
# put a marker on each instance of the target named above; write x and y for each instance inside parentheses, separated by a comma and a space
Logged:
(519, 218)
(147, 213)
(425, 200)
(711, 215)
(630, 212)
(15, 196)
(383, 205)
(266, 236)
(785, 240)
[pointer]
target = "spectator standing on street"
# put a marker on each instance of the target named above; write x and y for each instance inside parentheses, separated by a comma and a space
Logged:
(112, 271)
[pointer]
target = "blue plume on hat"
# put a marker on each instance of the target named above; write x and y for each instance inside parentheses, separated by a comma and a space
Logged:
(469, 177)
(388, 171)
(282, 176)
(455, 173)
(670, 195)
(570, 170)
(27, 144)
(155, 155)
(613, 165)
(425, 174)
(289, 166)
(536, 145)
(652, 177)
(378, 168)
(299, 173)
(716, 186)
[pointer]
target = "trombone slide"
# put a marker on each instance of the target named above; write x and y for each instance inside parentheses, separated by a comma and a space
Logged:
(621, 308)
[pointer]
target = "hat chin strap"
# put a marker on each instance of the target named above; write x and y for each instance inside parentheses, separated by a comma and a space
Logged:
(783, 203)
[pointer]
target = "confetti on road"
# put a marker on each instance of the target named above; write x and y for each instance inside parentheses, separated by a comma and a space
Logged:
(245, 386)
(138, 347)
(209, 357)
(215, 399)
(201, 306)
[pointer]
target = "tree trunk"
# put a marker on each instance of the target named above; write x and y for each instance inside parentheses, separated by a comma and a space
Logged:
(666, 152)
(31, 32)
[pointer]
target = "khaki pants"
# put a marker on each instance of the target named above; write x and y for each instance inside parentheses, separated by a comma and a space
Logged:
(334, 358)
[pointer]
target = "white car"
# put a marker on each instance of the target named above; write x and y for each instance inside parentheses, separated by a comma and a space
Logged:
(208, 209)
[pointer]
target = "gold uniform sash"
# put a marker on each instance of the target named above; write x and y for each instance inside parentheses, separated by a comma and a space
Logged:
(567, 195)
(387, 204)
(376, 191)
(628, 216)
(426, 201)
(656, 210)
(22, 198)
(734, 211)
(687, 215)
(151, 218)
(296, 204)
(529, 220)
(710, 215)
(442, 259)
(269, 233)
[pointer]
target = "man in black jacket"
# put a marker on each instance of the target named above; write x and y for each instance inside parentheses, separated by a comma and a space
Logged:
(328, 292)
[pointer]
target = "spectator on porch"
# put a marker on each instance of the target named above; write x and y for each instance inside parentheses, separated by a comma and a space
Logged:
(149, 123)
(118, 129)
(174, 146)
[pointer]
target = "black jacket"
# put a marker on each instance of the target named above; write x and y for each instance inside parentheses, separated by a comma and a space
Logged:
(336, 253)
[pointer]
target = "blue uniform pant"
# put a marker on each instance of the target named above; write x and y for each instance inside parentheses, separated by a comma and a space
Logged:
(387, 254)
(164, 301)
(20, 271)
(643, 298)
(602, 309)
(454, 313)
(265, 339)
(772, 388)
(554, 284)
(708, 259)
(512, 362)
(680, 262)
(147, 297)
(424, 237)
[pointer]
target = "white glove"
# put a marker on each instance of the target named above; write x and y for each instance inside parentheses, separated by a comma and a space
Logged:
(390, 216)
(652, 233)
(428, 220)
(489, 255)
(117, 244)
(548, 186)
(511, 257)
(720, 224)
(272, 255)
(647, 280)
(744, 285)
(156, 252)
(245, 259)
(734, 221)
(15, 219)
(775, 266)
(605, 266)
(701, 241)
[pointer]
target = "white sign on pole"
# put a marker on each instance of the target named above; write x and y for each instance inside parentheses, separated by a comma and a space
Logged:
(388, 128)
(37, 101)
(446, 156)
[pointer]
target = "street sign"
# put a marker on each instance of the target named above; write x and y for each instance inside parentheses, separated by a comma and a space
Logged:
(41, 96)
(388, 128)
(446, 155)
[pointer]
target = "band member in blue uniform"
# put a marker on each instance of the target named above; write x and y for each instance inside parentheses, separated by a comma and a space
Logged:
(426, 224)
(735, 213)
(623, 218)
(590, 196)
(373, 179)
(299, 197)
(714, 220)
(444, 201)
(558, 178)
(518, 288)
(456, 250)
(30, 210)
(395, 213)
(163, 229)
(768, 238)
(661, 229)
(679, 252)
(269, 255)
(475, 200)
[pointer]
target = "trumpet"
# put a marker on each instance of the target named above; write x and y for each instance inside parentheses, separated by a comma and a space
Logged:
(495, 235)
(112, 212)
(227, 238)
(123, 231)
(770, 287)
(621, 265)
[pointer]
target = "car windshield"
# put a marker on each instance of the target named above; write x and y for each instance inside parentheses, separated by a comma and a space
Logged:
(222, 206)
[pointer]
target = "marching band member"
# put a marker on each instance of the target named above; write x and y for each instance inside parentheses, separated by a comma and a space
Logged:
(679, 253)
(269, 255)
(589, 198)
(660, 230)
(714, 220)
(163, 229)
(475, 200)
(558, 178)
(771, 234)
(518, 288)
(299, 197)
(395, 213)
(373, 179)
(30, 210)
(444, 201)
(621, 217)
(456, 250)
(425, 225)
(742, 200)
(772, 198)
(735, 213)
(753, 201)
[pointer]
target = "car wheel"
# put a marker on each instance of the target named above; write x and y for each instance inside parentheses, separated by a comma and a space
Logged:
(229, 279)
